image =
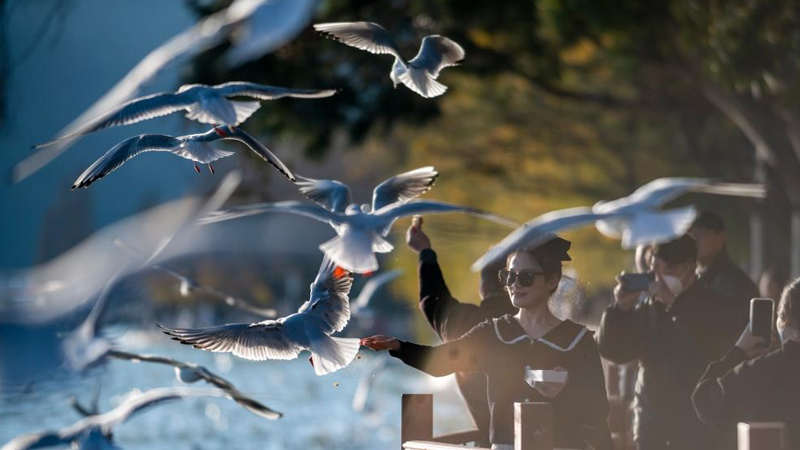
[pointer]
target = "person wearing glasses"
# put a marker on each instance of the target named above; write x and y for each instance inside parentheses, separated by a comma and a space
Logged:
(512, 347)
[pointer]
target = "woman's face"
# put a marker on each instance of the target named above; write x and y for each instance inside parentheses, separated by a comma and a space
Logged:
(535, 294)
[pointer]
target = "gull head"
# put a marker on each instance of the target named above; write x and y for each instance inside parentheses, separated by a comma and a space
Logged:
(352, 210)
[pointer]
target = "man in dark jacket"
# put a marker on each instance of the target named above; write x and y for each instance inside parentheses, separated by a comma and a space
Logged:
(450, 318)
(715, 268)
(674, 333)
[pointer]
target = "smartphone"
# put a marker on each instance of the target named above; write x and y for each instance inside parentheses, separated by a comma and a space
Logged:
(635, 282)
(762, 312)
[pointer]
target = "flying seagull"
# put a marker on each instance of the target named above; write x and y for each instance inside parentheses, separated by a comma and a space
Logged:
(189, 286)
(96, 432)
(190, 373)
(418, 74)
(327, 311)
(254, 28)
(635, 219)
(194, 147)
(205, 104)
(361, 229)
(371, 287)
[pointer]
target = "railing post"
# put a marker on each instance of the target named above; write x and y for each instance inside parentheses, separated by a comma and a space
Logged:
(533, 426)
(761, 436)
(416, 421)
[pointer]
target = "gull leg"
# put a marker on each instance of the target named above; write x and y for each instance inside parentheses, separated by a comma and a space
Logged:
(210, 168)
(196, 169)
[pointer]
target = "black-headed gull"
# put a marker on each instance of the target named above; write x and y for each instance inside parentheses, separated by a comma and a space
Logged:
(327, 311)
(254, 27)
(361, 230)
(213, 105)
(634, 219)
(191, 373)
(96, 432)
(194, 147)
(418, 74)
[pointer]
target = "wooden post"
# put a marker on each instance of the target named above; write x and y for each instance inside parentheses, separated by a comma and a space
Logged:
(416, 421)
(761, 436)
(533, 426)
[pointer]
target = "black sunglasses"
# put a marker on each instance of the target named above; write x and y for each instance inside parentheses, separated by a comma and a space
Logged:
(526, 277)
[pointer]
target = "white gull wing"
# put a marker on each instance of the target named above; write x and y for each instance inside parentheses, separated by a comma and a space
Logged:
(386, 216)
(290, 207)
(125, 150)
(371, 287)
(368, 36)
(267, 26)
(134, 111)
(436, 53)
(237, 134)
(190, 373)
(538, 230)
(329, 297)
(207, 33)
(657, 227)
(404, 187)
(257, 341)
(663, 190)
(330, 194)
(264, 92)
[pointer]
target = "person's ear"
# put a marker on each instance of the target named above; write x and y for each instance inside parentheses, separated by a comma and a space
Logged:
(551, 282)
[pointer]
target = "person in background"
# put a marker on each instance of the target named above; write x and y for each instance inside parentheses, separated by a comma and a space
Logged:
(673, 334)
(750, 386)
(504, 348)
(450, 318)
(714, 267)
(772, 282)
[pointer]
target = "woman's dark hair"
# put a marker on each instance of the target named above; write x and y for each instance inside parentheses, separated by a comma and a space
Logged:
(549, 255)
(789, 307)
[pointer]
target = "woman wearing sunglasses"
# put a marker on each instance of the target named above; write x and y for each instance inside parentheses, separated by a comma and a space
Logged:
(531, 344)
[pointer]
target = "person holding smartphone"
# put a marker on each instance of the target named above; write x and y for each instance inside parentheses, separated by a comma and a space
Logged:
(451, 318)
(751, 385)
(673, 334)
(508, 349)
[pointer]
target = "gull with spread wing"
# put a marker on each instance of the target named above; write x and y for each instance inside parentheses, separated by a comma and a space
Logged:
(360, 229)
(635, 219)
(191, 373)
(254, 27)
(418, 74)
(205, 104)
(194, 147)
(96, 432)
(327, 311)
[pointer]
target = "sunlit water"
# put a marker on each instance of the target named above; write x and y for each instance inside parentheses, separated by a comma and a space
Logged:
(318, 411)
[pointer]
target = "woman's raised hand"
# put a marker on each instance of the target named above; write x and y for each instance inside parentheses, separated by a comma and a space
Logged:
(380, 342)
(416, 239)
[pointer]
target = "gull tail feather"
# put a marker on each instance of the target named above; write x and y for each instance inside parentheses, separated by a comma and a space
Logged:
(423, 84)
(332, 353)
(353, 252)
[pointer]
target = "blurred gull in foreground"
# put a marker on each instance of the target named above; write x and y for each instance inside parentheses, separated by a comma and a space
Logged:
(194, 147)
(361, 229)
(190, 373)
(634, 219)
(418, 74)
(96, 432)
(326, 312)
(255, 27)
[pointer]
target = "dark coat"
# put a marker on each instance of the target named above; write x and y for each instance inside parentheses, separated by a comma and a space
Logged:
(502, 350)
(727, 279)
(450, 319)
(673, 347)
(764, 389)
